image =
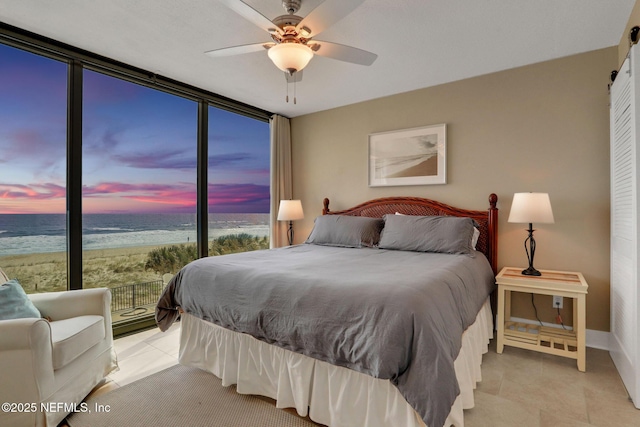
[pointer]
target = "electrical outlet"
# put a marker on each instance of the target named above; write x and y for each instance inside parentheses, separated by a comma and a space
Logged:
(557, 301)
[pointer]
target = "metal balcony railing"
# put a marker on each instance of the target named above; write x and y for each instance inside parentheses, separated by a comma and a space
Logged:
(130, 300)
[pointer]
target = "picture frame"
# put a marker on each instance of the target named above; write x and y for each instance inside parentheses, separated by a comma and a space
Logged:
(416, 156)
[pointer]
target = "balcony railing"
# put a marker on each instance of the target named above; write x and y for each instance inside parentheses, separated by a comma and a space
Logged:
(135, 299)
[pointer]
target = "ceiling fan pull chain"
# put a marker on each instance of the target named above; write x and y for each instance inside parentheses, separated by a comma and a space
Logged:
(287, 80)
(294, 92)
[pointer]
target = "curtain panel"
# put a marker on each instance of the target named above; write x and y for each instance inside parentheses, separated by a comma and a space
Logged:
(281, 187)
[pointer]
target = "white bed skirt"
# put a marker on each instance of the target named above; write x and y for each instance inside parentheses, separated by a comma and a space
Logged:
(330, 395)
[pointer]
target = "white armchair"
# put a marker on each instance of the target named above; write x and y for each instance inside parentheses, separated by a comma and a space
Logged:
(52, 365)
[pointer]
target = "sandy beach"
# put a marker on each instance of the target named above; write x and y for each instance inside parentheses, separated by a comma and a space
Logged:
(47, 272)
(427, 168)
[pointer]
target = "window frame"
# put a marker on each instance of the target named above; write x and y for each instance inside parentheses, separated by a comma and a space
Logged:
(77, 61)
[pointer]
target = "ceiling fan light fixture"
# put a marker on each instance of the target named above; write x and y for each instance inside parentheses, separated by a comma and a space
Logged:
(290, 57)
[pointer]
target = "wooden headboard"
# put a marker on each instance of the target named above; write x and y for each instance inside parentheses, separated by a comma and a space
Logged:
(488, 220)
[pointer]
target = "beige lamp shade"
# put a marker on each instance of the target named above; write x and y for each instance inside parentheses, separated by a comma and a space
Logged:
(290, 210)
(531, 208)
(290, 57)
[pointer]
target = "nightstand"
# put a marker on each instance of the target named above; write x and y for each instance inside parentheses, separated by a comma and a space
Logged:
(561, 342)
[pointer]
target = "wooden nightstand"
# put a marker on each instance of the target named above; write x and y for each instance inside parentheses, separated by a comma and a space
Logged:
(566, 343)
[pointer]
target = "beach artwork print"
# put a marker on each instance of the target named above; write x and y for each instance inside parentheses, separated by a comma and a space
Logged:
(408, 157)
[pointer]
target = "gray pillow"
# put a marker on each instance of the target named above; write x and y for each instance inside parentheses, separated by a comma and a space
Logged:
(444, 234)
(14, 302)
(346, 231)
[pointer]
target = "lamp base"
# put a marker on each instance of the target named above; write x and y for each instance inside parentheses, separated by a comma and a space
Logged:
(531, 272)
(531, 251)
(290, 233)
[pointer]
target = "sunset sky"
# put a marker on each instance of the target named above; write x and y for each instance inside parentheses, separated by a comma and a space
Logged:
(139, 146)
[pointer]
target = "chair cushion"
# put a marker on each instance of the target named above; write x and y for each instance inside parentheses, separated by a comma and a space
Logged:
(72, 337)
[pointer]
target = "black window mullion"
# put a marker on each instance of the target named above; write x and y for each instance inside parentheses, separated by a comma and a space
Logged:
(74, 176)
(202, 180)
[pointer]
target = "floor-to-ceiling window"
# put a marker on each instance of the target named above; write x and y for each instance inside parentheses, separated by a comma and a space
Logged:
(139, 189)
(33, 108)
(141, 205)
(238, 183)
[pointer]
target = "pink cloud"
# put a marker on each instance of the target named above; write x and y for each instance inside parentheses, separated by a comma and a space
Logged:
(123, 188)
(182, 195)
(32, 191)
(140, 197)
(34, 198)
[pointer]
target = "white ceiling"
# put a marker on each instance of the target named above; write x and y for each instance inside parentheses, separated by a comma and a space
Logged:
(419, 43)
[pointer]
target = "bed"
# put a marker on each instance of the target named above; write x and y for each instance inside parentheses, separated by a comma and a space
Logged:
(379, 319)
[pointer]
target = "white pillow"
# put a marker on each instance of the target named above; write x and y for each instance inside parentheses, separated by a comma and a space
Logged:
(474, 239)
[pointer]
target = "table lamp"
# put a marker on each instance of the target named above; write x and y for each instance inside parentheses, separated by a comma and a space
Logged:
(530, 208)
(290, 210)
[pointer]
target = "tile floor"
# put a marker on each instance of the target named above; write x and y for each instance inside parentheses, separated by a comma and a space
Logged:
(525, 388)
(519, 387)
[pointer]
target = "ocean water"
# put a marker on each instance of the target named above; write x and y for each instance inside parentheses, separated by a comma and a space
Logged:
(40, 233)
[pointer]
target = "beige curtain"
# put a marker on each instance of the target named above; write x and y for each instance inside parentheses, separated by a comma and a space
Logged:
(280, 176)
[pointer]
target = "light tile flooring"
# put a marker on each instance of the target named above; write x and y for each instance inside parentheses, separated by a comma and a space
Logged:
(145, 353)
(519, 387)
(525, 388)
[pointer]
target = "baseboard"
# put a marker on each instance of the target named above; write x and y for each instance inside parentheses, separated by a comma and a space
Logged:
(626, 368)
(598, 339)
(594, 339)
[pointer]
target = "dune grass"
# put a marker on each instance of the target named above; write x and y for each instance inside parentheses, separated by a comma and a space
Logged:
(47, 272)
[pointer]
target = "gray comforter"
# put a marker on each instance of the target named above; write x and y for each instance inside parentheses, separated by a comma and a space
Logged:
(393, 315)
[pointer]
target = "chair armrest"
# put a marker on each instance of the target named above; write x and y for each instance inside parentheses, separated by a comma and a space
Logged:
(67, 304)
(25, 349)
(20, 334)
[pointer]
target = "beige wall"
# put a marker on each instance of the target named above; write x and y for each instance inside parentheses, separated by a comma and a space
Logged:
(543, 127)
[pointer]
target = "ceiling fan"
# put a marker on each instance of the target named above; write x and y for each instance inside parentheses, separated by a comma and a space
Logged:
(293, 46)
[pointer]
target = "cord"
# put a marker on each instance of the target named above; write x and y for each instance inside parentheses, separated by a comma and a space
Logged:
(559, 318)
(536, 310)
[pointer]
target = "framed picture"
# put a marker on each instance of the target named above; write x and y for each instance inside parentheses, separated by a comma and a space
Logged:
(415, 156)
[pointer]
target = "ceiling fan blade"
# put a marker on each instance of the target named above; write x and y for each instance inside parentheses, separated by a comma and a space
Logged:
(239, 50)
(326, 14)
(342, 52)
(250, 14)
(296, 77)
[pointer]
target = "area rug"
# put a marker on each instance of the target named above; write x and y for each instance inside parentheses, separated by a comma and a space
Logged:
(181, 396)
